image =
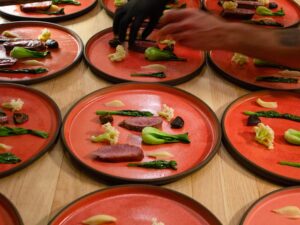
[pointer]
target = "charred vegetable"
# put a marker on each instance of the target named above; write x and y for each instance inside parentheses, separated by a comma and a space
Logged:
(114, 42)
(287, 163)
(274, 114)
(125, 113)
(50, 43)
(277, 79)
(70, 2)
(153, 136)
(9, 158)
(156, 54)
(177, 123)
(19, 53)
(253, 120)
(156, 164)
(12, 131)
(273, 5)
(156, 74)
(20, 118)
(3, 118)
(106, 119)
(33, 70)
(265, 22)
(292, 136)
(264, 11)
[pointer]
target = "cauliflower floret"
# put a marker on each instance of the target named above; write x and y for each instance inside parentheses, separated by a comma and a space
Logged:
(155, 222)
(119, 55)
(229, 5)
(5, 147)
(264, 135)
(119, 3)
(110, 135)
(166, 112)
(14, 105)
(265, 2)
(45, 35)
(239, 59)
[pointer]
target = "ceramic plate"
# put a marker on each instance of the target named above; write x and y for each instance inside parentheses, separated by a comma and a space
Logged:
(8, 213)
(59, 61)
(291, 9)
(97, 50)
(43, 115)
(200, 122)
(13, 12)
(240, 138)
(142, 203)
(245, 76)
(260, 213)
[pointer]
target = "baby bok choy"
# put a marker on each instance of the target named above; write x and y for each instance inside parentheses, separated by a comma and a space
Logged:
(20, 53)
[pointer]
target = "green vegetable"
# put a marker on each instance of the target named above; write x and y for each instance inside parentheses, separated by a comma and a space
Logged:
(265, 22)
(277, 79)
(125, 113)
(11, 131)
(19, 53)
(9, 158)
(292, 136)
(157, 74)
(153, 136)
(34, 71)
(263, 63)
(156, 54)
(264, 11)
(156, 164)
(71, 2)
(119, 3)
(293, 164)
(274, 114)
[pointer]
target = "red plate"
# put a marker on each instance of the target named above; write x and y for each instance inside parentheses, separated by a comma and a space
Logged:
(81, 122)
(291, 9)
(97, 50)
(260, 213)
(240, 142)
(142, 203)
(43, 115)
(8, 213)
(70, 50)
(245, 76)
(13, 12)
(110, 7)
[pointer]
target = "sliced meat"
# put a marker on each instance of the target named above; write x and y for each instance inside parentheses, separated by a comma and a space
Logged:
(245, 14)
(119, 153)
(139, 123)
(4, 59)
(31, 7)
(248, 4)
(36, 45)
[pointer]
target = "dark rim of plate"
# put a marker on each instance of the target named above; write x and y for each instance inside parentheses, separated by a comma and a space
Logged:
(137, 187)
(111, 13)
(243, 84)
(295, 24)
(51, 18)
(113, 79)
(157, 181)
(243, 161)
(253, 205)
(47, 77)
(55, 136)
(13, 209)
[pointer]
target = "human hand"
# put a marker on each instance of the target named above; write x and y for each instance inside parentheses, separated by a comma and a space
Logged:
(193, 28)
(135, 12)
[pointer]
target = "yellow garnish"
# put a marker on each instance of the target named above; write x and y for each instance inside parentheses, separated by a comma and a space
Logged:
(45, 35)
(114, 103)
(270, 105)
(99, 219)
(291, 212)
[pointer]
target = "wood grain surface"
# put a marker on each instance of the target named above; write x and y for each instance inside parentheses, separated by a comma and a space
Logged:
(43, 188)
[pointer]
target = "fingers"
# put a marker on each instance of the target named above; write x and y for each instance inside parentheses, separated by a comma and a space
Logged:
(135, 26)
(172, 16)
(150, 26)
(120, 12)
(124, 23)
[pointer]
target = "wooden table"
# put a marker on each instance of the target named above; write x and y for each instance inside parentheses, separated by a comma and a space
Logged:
(43, 188)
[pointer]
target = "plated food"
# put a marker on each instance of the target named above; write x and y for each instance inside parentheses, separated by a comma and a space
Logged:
(269, 146)
(31, 52)
(272, 13)
(116, 63)
(110, 6)
(9, 215)
(147, 149)
(277, 208)
(252, 73)
(52, 10)
(144, 205)
(29, 126)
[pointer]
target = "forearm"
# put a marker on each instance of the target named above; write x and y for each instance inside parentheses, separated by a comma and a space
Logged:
(278, 46)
